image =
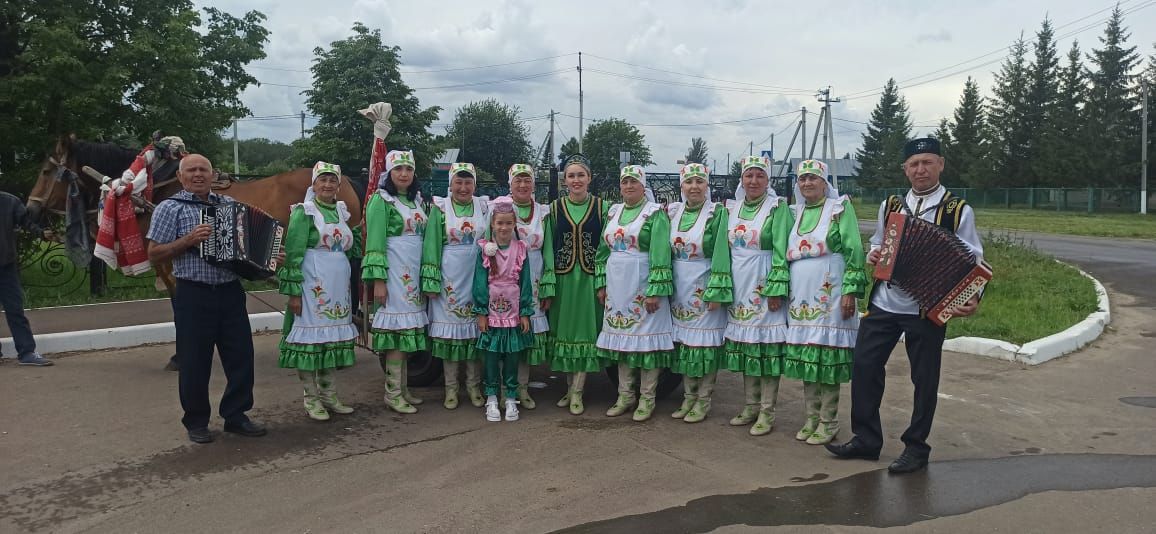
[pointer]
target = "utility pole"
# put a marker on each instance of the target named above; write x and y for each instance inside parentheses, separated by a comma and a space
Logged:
(751, 150)
(772, 149)
(819, 126)
(728, 169)
(581, 109)
(824, 96)
(303, 125)
(236, 151)
(553, 172)
(803, 123)
(1144, 148)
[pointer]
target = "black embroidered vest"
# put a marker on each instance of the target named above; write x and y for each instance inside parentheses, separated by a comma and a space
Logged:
(576, 242)
(947, 213)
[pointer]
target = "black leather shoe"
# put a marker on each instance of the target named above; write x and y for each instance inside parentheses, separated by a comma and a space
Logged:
(200, 435)
(852, 450)
(247, 428)
(908, 462)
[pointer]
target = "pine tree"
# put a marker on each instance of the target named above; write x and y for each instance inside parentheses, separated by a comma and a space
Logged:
(1110, 114)
(882, 151)
(1040, 105)
(950, 175)
(1150, 76)
(1008, 110)
(969, 146)
(1062, 157)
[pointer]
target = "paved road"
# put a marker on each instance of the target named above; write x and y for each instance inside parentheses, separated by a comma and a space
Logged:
(1128, 265)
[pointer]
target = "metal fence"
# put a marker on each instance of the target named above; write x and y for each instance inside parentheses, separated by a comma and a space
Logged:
(1085, 199)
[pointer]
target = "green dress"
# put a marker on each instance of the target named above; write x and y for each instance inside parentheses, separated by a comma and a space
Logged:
(503, 340)
(300, 236)
(636, 340)
(703, 350)
(743, 353)
(400, 324)
(448, 257)
(824, 356)
(575, 314)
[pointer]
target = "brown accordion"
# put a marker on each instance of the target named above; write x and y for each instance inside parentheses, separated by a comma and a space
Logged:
(931, 264)
(244, 239)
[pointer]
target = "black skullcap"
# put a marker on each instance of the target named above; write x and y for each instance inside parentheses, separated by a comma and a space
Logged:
(922, 145)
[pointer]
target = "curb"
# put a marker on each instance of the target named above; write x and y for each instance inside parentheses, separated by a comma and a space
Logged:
(127, 336)
(1047, 348)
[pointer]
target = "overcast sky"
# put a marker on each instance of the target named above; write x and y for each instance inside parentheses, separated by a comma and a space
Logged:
(738, 59)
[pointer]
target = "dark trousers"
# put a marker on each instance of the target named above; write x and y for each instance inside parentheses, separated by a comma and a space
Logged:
(878, 333)
(206, 317)
(501, 368)
(12, 299)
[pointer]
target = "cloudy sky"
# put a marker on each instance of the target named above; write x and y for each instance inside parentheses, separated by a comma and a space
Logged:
(671, 66)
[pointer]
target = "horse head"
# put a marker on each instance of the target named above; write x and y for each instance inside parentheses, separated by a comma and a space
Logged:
(51, 188)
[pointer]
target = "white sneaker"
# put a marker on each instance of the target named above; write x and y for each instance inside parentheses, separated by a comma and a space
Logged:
(492, 413)
(511, 410)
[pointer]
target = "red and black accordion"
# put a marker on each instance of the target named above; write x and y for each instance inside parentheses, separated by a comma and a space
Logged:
(931, 264)
(244, 239)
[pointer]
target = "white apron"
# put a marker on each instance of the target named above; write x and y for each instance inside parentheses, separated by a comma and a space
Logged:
(815, 316)
(533, 233)
(749, 318)
(325, 297)
(405, 306)
(626, 325)
(451, 315)
(694, 325)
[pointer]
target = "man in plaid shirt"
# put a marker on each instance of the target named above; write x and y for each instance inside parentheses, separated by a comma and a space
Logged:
(208, 308)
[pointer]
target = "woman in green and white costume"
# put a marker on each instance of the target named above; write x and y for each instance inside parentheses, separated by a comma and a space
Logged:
(318, 333)
(634, 280)
(825, 254)
(576, 315)
(395, 223)
(449, 253)
(701, 264)
(757, 229)
(534, 228)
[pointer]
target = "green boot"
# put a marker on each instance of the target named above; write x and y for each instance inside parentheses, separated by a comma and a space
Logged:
(767, 398)
(811, 402)
(689, 396)
(647, 393)
(393, 398)
(828, 416)
(751, 406)
(313, 405)
(451, 401)
(626, 399)
(327, 386)
(576, 405)
(524, 397)
(701, 406)
(644, 411)
(474, 383)
(405, 392)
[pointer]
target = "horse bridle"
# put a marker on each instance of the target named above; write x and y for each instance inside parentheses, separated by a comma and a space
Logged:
(63, 174)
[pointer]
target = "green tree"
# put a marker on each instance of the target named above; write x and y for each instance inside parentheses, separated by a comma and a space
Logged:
(968, 144)
(1110, 113)
(569, 148)
(1150, 76)
(258, 156)
(108, 70)
(604, 140)
(1062, 157)
(490, 136)
(950, 175)
(353, 73)
(1008, 115)
(1043, 92)
(697, 152)
(882, 151)
(736, 168)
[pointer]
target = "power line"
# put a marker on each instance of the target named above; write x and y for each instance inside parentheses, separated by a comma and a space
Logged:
(423, 71)
(736, 121)
(697, 76)
(694, 85)
(451, 86)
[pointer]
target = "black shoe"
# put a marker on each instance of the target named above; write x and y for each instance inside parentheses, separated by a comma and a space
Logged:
(200, 435)
(173, 364)
(247, 428)
(852, 450)
(908, 462)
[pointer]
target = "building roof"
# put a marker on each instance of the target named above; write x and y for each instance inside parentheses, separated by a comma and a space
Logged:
(838, 167)
(447, 157)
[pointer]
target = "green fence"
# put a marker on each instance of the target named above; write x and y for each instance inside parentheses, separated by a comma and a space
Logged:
(1086, 199)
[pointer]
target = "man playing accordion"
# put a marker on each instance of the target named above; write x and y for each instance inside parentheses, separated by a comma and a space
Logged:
(893, 312)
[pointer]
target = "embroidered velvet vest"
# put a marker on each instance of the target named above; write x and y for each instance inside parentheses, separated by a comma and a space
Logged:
(576, 242)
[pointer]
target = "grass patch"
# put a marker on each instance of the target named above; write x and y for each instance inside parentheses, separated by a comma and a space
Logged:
(1030, 296)
(1053, 222)
(53, 280)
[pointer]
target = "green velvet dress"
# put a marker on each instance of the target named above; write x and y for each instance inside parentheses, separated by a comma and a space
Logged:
(575, 315)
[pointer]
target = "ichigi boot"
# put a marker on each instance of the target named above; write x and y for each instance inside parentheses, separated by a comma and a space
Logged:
(701, 406)
(576, 405)
(646, 402)
(690, 387)
(393, 398)
(751, 405)
(327, 388)
(312, 401)
(828, 416)
(770, 394)
(626, 399)
(565, 400)
(405, 392)
(474, 383)
(450, 374)
(524, 387)
(811, 402)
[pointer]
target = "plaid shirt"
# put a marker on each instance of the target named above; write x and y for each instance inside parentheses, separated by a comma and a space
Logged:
(172, 220)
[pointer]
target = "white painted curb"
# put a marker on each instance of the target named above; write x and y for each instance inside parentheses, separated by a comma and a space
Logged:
(1044, 349)
(127, 336)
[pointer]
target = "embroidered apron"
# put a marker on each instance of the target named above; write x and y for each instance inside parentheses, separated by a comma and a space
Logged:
(325, 297)
(814, 312)
(749, 318)
(693, 325)
(626, 325)
(451, 315)
(405, 306)
(532, 233)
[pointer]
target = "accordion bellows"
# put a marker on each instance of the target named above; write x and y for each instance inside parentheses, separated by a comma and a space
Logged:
(931, 264)
(244, 240)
